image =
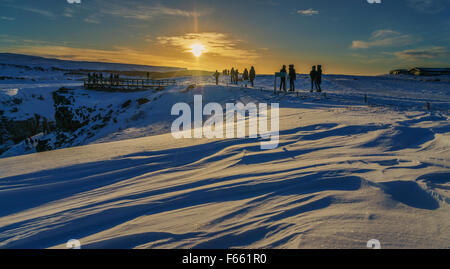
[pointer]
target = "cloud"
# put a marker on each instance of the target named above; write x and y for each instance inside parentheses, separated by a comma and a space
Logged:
(6, 18)
(93, 18)
(217, 44)
(384, 38)
(96, 9)
(42, 12)
(308, 12)
(428, 6)
(141, 11)
(427, 53)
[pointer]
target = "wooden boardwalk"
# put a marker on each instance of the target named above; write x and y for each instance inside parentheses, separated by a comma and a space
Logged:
(125, 84)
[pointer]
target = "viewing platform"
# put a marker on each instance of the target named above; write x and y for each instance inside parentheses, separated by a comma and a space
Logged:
(125, 84)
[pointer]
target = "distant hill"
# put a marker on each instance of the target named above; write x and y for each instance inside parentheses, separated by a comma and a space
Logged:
(34, 61)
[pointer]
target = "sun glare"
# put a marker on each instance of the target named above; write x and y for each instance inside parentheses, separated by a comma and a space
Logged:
(197, 49)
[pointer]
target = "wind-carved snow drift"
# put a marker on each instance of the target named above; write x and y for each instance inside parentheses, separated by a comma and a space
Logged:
(345, 171)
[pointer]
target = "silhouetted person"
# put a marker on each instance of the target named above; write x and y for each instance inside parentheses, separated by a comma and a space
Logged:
(252, 76)
(319, 78)
(236, 76)
(245, 75)
(232, 75)
(313, 75)
(216, 75)
(283, 75)
(292, 78)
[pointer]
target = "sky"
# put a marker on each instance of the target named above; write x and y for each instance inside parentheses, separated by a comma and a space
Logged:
(345, 36)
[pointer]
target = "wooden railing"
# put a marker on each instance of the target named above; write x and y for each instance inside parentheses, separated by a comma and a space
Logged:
(126, 84)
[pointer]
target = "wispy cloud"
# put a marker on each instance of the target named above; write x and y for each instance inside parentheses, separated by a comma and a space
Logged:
(215, 44)
(93, 18)
(38, 11)
(7, 18)
(384, 38)
(17, 41)
(428, 6)
(141, 11)
(428, 53)
(69, 12)
(94, 10)
(308, 12)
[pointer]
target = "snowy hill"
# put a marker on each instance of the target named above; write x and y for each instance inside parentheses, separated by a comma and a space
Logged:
(345, 171)
(48, 63)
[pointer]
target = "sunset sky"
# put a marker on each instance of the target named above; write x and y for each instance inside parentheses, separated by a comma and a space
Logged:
(346, 37)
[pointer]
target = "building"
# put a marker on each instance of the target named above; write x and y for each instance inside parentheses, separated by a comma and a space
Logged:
(399, 72)
(420, 71)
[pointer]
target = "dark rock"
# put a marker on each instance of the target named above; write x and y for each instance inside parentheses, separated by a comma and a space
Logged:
(142, 101)
(126, 104)
(43, 146)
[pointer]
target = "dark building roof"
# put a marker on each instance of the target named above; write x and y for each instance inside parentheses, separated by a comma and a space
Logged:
(426, 69)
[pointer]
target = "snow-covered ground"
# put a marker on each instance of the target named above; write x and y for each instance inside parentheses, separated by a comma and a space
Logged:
(345, 171)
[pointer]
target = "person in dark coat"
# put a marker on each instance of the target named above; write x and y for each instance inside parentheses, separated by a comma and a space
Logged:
(232, 75)
(236, 76)
(313, 75)
(292, 77)
(216, 75)
(283, 75)
(245, 75)
(319, 78)
(252, 76)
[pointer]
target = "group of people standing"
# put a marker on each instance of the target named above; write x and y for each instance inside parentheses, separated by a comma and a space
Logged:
(315, 74)
(285, 74)
(95, 78)
(316, 78)
(234, 75)
(292, 78)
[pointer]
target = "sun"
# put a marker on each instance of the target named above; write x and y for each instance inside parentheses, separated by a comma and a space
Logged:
(197, 49)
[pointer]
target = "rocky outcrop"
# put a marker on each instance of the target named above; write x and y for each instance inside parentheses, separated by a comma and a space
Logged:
(19, 130)
(64, 116)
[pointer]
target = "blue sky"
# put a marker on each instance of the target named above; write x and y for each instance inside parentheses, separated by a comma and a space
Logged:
(346, 37)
